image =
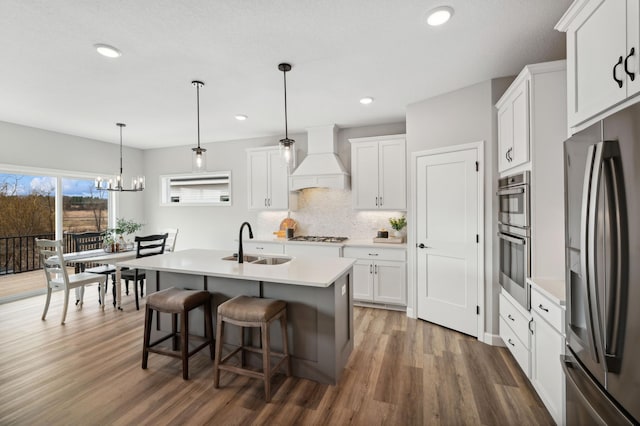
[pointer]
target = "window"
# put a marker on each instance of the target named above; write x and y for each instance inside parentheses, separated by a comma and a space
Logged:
(38, 203)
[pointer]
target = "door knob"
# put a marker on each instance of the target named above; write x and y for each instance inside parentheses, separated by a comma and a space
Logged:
(422, 246)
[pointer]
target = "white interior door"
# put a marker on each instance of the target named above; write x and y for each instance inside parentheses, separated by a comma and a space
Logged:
(447, 227)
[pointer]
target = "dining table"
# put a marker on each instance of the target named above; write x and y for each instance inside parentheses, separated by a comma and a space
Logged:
(102, 257)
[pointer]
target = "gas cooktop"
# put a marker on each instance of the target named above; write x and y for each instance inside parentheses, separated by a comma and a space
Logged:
(318, 239)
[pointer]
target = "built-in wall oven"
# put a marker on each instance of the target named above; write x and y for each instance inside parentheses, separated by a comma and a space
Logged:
(514, 236)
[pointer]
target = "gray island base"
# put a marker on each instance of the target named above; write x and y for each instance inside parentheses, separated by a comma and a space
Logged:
(318, 292)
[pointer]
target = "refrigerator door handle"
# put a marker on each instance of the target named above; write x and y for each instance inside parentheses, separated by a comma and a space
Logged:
(586, 239)
(616, 308)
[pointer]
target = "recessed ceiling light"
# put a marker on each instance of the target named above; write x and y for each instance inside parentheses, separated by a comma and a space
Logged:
(241, 117)
(366, 101)
(108, 51)
(439, 15)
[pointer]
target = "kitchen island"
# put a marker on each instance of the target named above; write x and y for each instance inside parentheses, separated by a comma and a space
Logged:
(318, 292)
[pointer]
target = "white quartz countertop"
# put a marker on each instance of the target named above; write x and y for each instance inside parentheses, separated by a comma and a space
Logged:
(347, 243)
(554, 289)
(306, 271)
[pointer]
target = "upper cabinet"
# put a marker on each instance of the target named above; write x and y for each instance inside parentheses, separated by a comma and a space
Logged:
(523, 114)
(513, 125)
(378, 169)
(268, 181)
(603, 43)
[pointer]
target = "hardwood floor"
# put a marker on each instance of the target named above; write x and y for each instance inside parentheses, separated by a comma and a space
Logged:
(401, 372)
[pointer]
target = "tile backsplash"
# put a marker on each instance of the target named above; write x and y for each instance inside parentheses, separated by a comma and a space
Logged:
(327, 212)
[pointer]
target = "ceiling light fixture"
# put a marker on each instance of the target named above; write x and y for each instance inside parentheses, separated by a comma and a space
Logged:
(241, 117)
(137, 183)
(366, 101)
(199, 161)
(439, 15)
(286, 145)
(108, 51)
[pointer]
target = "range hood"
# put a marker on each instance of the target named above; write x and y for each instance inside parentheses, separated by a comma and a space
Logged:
(321, 168)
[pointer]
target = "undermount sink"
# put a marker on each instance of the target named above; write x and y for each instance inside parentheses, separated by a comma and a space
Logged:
(260, 260)
(271, 261)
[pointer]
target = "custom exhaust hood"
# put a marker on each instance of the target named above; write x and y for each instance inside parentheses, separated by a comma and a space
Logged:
(321, 168)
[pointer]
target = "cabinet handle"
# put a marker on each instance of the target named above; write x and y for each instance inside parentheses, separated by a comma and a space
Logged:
(511, 342)
(370, 268)
(265, 202)
(376, 201)
(542, 307)
(269, 201)
(631, 75)
(614, 72)
(510, 156)
(510, 317)
(375, 269)
(381, 203)
(373, 254)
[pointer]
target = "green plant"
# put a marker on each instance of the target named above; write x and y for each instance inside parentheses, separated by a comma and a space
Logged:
(123, 227)
(398, 223)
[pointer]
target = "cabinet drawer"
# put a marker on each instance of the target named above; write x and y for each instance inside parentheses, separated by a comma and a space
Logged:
(519, 350)
(251, 247)
(516, 320)
(551, 312)
(375, 253)
(313, 250)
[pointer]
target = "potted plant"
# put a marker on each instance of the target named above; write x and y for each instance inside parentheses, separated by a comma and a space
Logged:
(113, 238)
(398, 223)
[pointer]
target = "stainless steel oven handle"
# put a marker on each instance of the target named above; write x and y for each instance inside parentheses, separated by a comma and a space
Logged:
(511, 191)
(514, 240)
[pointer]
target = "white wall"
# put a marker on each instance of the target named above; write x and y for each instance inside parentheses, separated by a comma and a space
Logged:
(22, 146)
(464, 116)
(320, 212)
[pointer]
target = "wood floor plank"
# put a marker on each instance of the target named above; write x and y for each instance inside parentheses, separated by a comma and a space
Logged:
(401, 372)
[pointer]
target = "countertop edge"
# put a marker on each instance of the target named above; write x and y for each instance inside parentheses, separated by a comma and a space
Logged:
(553, 289)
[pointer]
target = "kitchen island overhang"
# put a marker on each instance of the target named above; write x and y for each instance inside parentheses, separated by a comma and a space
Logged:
(318, 292)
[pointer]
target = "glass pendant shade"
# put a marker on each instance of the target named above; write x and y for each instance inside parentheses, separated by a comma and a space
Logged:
(198, 159)
(287, 150)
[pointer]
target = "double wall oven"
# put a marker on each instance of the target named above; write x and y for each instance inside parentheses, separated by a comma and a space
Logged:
(514, 236)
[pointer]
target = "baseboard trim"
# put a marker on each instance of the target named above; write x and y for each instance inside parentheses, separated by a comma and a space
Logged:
(493, 339)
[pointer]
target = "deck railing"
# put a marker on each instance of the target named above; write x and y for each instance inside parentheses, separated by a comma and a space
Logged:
(20, 254)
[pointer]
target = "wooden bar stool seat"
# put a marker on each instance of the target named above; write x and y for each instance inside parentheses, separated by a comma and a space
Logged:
(246, 311)
(177, 302)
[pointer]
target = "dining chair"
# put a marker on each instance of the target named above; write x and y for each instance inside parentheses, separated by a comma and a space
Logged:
(91, 241)
(172, 234)
(150, 245)
(55, 270)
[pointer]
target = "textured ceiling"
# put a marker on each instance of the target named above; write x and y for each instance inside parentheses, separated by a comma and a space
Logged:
(341, 50)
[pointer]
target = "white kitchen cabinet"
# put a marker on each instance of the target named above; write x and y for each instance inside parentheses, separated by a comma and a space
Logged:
(261, 247)
(379, 275)
(321, 249)
(513, 126)
(530, 113)
(378, 169)
(603, 43)
(547, 345)
(515, 323)
(268, 181)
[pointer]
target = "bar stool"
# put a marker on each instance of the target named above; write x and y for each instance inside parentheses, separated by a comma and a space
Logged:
(177, 302)
(247, 311)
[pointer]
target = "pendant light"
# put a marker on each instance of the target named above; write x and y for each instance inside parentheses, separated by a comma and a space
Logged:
(286, 145)
(137, 183)
(199, 158)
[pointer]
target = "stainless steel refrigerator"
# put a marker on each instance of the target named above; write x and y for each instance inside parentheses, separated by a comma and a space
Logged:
(602, 212)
